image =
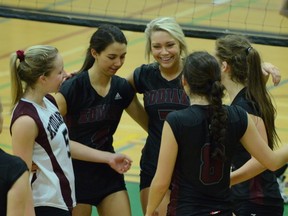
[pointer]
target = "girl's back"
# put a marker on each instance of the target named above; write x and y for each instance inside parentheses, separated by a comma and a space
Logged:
(200, 181)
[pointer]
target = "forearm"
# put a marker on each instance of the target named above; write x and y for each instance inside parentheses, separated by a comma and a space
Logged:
(267, 69)
(85, 153)
(249, 170)
(156, 194)
(30, 204)
(282, 157)
(19, 197)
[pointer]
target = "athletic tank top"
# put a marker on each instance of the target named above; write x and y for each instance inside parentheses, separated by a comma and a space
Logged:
(53, 182)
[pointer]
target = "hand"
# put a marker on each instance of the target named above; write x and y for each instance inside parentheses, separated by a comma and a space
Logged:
(270, 69)
(69, 75)
(120, 163)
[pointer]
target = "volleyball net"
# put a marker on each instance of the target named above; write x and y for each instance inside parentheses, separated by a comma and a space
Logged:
(260, 20)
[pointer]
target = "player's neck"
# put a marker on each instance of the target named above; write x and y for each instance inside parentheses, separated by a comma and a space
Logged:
(233, 89)
(35, 95)
(198, 100)
(172, 72)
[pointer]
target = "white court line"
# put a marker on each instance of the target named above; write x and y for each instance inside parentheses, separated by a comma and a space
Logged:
(220, 1)
(200, 8)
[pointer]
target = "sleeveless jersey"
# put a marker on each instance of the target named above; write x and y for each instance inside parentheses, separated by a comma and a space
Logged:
(263, 189)
(200, 185)
(160, 97)
(53, 182)
(11, 168)
(92, 120)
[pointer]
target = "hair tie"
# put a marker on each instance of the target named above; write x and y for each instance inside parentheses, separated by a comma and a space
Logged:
(248, 50)
(20, 55)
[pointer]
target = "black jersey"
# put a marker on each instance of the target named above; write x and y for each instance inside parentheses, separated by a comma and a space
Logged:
(11, 168)
(92, 120)
(160, 98)
(200, 185)
(263, 189)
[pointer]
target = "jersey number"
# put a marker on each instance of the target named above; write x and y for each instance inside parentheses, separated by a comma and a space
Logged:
(66, 139)
(211, 169)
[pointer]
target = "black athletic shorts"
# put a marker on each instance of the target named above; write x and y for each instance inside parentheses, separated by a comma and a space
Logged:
(50, 211)
(145, 180)
(249, 208)
(96, 201)
(94, 182)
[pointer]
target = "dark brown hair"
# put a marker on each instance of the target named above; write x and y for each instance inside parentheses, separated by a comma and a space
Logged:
(245, 63)
(202, 73)
(100, 40)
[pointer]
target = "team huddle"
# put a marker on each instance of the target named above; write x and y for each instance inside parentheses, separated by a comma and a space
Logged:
(201, 157)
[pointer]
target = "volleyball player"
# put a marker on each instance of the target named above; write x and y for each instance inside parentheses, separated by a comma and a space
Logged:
(160, 84)
(38, 131)
(92, 102)
(39, 134)
(242, 77)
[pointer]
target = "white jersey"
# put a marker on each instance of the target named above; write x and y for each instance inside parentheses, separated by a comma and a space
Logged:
(53, 182)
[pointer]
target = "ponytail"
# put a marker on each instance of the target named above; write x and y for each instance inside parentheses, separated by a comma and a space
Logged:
(257, 91)
(88, 62)
(245, 64)
(16, 84)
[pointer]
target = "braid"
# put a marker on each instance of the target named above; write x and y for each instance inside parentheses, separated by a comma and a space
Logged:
(202, 72)
(218, 125)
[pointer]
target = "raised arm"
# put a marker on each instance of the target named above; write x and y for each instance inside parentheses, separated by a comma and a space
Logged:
(270, 69)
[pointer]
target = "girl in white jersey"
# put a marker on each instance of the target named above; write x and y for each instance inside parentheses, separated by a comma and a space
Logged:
(40, 136)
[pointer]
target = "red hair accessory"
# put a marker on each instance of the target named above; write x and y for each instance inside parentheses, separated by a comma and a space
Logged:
(20, 55)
